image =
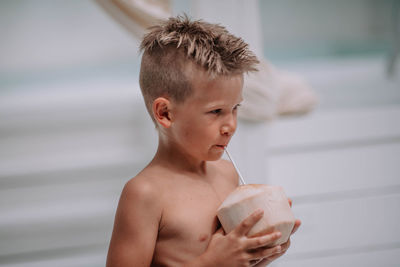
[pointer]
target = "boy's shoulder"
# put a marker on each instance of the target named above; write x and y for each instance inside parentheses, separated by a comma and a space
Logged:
(153, 178)
(151, 182)
(140, 191)
(144, 185)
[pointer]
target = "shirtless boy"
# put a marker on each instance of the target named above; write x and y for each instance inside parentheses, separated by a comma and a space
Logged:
(191, 78)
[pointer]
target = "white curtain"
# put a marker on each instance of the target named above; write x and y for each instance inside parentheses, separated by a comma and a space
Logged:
(137, 15)
(268, 93)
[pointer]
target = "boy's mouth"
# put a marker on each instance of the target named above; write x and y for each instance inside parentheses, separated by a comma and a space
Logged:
(221, 146)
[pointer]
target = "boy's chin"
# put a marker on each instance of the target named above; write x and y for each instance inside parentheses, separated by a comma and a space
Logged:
(215, 156)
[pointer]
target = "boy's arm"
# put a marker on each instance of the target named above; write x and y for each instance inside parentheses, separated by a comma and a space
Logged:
(135, 227)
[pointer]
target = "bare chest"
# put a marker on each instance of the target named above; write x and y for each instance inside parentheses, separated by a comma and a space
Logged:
(190, 216)
(188, 222)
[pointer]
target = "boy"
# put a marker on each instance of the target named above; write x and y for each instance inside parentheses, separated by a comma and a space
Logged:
(191, 78)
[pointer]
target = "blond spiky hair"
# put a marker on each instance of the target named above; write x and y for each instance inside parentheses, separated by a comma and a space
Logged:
(170, 46)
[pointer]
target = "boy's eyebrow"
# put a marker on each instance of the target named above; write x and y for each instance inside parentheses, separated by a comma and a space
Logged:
(214, 104)
(218, 104)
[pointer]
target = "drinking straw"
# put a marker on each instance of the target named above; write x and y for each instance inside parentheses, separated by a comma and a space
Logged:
(234, 165)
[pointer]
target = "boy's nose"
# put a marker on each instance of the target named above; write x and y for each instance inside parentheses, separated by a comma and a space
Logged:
(225, 131)
(228, 129)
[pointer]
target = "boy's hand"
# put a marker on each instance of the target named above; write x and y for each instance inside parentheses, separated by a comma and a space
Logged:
(284, 246)
(236, 249)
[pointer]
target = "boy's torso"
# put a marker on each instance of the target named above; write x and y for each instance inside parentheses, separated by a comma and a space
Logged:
(189, 212)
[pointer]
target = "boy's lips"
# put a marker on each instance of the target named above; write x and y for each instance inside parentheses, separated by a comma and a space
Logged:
(221, 146)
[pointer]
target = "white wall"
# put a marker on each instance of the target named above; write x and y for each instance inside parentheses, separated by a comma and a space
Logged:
(73, 130)
(340, 165)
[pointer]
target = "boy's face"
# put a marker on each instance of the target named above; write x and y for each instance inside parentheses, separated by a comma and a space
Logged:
(205, 122)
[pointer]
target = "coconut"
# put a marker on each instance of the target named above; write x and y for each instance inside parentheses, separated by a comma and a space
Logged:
(245, 199)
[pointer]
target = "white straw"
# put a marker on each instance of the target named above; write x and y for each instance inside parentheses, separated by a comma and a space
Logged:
(236, 168)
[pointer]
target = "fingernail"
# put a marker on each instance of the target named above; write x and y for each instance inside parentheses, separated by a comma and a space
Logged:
(278, 249)
(278, 234)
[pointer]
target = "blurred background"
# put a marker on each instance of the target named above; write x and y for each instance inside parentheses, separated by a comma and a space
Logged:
(74, 129)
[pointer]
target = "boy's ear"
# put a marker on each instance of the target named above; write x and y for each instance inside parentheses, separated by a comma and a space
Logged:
(162, 111)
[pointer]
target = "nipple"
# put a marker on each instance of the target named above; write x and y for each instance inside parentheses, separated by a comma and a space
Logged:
(203, 237)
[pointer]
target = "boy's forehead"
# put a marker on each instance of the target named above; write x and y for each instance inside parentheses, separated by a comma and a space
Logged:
(214, 91)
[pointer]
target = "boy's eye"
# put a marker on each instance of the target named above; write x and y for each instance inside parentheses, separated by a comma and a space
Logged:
(236, 107)
(216, 111)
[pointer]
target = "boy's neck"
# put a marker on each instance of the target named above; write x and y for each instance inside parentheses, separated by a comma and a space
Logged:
(171, 156)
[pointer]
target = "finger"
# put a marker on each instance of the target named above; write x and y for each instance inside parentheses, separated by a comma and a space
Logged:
(264, 253)
(267, 260)
(261, 262)
(255, 262)
(285, 246)
(290, 202)
(244, 227)
(275, 256)
(262, 241)
(297, 224)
